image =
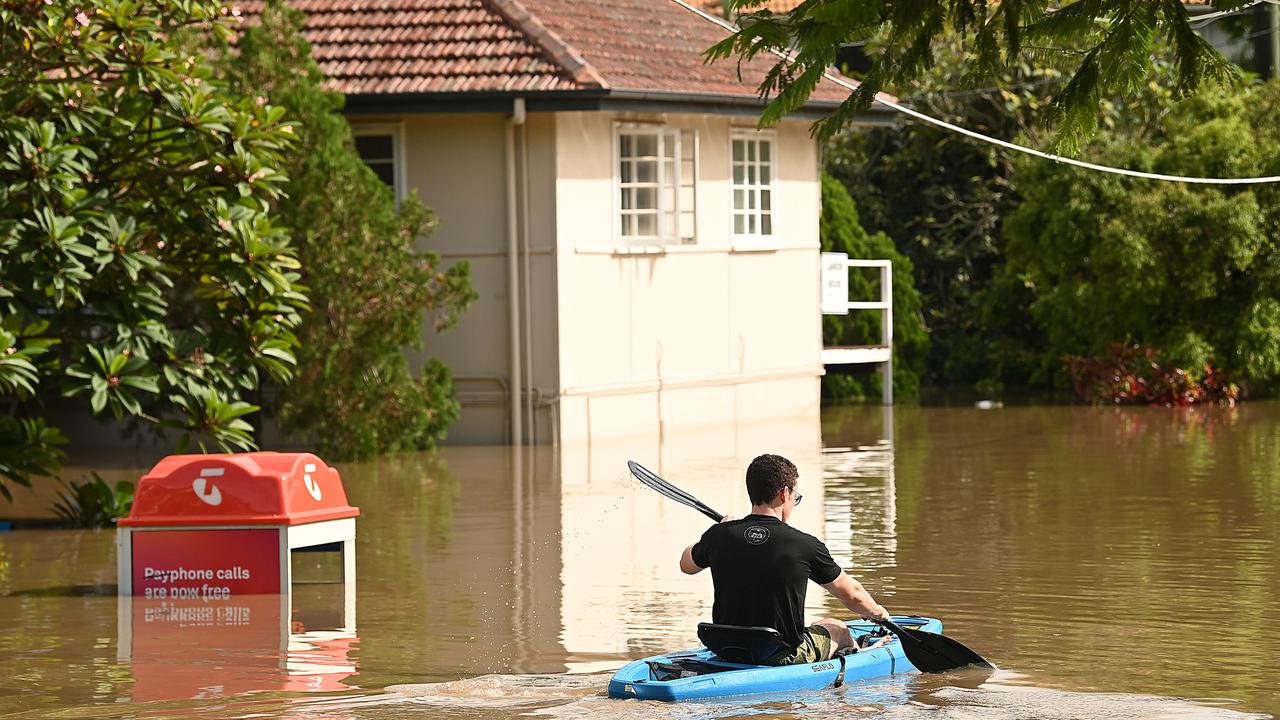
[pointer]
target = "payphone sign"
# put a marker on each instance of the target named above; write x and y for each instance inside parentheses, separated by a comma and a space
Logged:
(205, 564)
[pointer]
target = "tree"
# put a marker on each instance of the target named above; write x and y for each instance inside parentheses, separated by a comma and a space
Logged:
(1108, 45)
(140, 266)
(943, 197)
(841, 231)
(1194, 272)
(355, 395)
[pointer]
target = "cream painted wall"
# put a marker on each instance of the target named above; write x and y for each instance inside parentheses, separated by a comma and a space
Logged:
(457, 165)
(669, 339)
(688, 336)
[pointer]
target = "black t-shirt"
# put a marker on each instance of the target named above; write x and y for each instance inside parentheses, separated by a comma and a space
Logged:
(761, 568)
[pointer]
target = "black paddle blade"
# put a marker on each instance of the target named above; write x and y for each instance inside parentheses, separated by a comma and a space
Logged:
(931, 652)
(662, 487)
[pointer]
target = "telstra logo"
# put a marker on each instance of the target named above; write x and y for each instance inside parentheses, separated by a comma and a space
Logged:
(205, 490)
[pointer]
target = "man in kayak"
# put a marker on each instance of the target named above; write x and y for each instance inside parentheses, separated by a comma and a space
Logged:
(761, 567)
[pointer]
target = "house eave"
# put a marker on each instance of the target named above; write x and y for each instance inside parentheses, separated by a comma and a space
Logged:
(618, 100)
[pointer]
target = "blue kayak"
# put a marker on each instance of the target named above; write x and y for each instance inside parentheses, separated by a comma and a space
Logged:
(699, 674)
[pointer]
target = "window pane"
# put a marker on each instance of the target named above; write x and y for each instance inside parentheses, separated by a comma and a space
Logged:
(766, 224)
(765, 198)
(751, 224)
(627, 201)
(739, 202)
(646, 198)
(647, 224)
(628, 172)
(627, 225)
(646, 171)
(739, 174)
(646, 145)
(669, 146)
(751, 150)
(751, 174)
(739, 224)
(374, 147)
(386, 172)
(686, 225)
(764, 151)
(751, 200)
(669, 198)
(626, 148)
(668, 225)
(738, 151)
(766, 175)
(669, 168)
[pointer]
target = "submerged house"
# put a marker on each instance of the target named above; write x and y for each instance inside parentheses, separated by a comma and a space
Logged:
(646, 258)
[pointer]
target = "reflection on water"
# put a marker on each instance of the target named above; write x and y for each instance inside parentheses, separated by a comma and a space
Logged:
(216, 649)
(1122, 564)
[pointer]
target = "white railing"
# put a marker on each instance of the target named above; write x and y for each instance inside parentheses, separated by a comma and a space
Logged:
(835, 301)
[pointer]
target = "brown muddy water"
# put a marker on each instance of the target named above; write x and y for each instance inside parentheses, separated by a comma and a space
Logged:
(1114, 563)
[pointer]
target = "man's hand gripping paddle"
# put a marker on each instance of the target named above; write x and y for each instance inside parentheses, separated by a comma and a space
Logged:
(929, 652)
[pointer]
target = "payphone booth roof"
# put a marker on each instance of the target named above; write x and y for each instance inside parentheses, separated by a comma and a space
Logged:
(258, 488)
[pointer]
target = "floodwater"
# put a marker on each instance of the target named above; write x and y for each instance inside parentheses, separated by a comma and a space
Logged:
(1115, 563)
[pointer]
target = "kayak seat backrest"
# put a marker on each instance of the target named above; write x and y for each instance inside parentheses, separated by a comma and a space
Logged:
(743, 644)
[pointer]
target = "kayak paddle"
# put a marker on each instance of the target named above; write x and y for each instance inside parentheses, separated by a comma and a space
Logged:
(651, 480)
(929, 652)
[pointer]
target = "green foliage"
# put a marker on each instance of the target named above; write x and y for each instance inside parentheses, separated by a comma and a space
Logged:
(28, 448)
(946, 199)
(355, 394)
(1106, 44)
(942, 197)
(841, 231)
(1093, 259)
(93, 502)
(140, 268)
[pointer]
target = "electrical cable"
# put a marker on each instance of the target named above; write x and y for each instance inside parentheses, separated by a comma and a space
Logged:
(883, 100)
(1209, 18)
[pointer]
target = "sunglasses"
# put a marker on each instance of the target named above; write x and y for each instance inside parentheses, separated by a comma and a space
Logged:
(796, 497)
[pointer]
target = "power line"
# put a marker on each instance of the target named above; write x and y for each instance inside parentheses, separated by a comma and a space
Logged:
(946, 94)
(1209, 18)
(1190, 179)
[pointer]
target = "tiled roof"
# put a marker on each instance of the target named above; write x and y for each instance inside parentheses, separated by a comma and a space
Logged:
(417, 46)
(655, 46)
(402, 47)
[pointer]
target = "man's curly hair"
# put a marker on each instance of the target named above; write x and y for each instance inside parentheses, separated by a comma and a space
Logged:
(767, 475)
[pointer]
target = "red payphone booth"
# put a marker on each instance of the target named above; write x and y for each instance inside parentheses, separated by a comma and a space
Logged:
(205, 574)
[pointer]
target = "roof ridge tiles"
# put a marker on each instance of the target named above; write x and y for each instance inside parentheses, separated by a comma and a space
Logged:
(564, 55)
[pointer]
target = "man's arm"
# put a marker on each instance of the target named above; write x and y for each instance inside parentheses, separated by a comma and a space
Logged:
(854, 596)
(687, 565)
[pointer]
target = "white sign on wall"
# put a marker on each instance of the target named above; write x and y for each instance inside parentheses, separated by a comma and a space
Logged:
(835, 284)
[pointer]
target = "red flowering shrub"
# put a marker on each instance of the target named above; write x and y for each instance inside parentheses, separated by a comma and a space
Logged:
(1134, 374)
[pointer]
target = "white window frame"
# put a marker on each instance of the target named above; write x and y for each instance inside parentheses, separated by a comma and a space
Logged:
(396, 131)
(680, 137)
(758, 237)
